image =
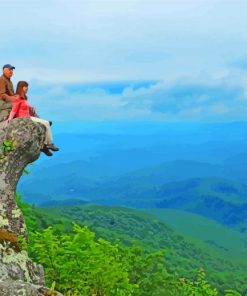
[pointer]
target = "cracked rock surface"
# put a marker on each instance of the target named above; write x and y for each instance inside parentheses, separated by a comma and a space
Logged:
(27, 138)
(19, 275)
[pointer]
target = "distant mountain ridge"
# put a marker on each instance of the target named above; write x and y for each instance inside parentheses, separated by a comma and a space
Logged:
(90, 181)
(135, 145)
(216, 198)
(138, 164)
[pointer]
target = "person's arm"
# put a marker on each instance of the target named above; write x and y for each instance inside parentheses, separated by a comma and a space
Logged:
(11, 99)
(33, 112)
(4, 96)
(2, 89)
(14, 110)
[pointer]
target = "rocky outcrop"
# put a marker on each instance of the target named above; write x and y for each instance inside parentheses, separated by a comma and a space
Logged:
(25, 138)
(5, 108)
(20, 141)
(19, 288)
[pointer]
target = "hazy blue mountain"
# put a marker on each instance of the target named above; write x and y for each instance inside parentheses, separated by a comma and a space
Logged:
(92, 182)
(131, 164)
(185, 185)
(220, 200)
(63, 203)
(134, 145)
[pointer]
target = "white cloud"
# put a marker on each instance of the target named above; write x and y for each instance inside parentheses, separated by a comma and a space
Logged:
(190, 46)
(195, 99)
(109, 40)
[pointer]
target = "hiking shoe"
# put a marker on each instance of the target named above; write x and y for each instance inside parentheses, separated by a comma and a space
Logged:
(52, 147)
(46, 151)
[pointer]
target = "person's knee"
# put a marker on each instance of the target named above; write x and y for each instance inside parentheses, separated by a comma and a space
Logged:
(47, 125)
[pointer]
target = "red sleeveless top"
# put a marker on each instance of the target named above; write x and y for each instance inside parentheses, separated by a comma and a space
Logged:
(20, 108)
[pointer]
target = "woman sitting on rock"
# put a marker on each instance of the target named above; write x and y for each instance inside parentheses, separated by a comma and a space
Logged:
(21, 108)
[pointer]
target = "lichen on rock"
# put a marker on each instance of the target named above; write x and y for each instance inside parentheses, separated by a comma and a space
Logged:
(28, 138)
(19, 275)
(9, 237)
(20, 288)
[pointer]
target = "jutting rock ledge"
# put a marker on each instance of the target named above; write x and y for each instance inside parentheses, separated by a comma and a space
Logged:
(19, 275)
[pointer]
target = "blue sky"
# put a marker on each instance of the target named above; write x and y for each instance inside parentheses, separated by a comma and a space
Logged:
(130, 60)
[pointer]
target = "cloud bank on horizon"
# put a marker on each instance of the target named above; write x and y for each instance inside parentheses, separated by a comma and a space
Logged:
(130, 60)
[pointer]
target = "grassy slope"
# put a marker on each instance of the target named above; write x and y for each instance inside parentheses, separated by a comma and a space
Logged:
(195, 226)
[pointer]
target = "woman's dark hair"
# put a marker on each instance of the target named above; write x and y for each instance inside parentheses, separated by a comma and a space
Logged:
(19, 89)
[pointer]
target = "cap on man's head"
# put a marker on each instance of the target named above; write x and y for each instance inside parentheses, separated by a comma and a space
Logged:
(8, 66)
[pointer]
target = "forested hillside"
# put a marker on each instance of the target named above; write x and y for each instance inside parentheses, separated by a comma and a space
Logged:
(133, 231)
(219, 199)
(228, 241)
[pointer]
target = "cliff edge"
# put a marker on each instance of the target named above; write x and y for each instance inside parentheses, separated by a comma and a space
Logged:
(20, 141)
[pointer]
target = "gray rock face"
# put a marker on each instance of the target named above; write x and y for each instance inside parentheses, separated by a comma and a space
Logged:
(5, 108)
(26, 138)
(19, 275)
(20, 288)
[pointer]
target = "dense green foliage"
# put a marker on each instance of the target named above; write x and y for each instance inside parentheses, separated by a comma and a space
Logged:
(80, 264)
(141, 268)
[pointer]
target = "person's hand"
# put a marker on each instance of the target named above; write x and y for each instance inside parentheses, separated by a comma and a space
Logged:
(15, 98)
(6, 121)
(32, 111)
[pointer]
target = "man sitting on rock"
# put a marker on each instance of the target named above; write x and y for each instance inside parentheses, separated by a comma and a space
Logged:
(6, 86)
(7, 96)
(7, 93)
